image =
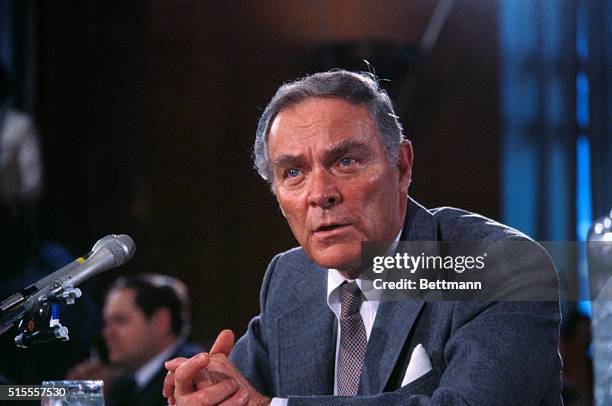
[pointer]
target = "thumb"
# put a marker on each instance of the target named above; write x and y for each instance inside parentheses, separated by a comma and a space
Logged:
(224, 343)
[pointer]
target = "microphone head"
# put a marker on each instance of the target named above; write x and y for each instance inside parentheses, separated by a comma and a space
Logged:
(121, 247)
(102, 241)
(128, 245)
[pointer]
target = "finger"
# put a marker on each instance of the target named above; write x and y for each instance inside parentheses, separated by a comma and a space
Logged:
(217, 377)
(224, 343)
(174, 363)
(171, 366)
(241, 397)
(204, 378)
(217, 393)
(220, 364)
(168, 389)
(185, 375)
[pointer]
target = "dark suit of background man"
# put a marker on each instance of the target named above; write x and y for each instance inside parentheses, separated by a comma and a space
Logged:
(333, 151)
(147, 321)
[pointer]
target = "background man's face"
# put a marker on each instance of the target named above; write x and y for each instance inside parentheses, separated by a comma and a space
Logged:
(333, 181)
(127, 332)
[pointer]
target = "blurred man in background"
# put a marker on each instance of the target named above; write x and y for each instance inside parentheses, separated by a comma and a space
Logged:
(147, 322)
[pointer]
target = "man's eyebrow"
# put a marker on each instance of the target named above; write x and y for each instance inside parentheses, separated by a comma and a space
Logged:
(340, 148)
(287, 160)
(346, 146)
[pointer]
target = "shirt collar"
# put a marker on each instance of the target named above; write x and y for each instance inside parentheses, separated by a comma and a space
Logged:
(335, 279)
(148, 370)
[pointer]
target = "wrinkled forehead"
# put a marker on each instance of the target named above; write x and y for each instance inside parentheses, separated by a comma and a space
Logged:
(322, 118)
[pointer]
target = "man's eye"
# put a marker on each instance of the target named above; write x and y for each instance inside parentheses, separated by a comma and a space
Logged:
(346, 161)
(293, 172)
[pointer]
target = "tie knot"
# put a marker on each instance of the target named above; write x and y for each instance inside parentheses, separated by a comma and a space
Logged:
(350, 299)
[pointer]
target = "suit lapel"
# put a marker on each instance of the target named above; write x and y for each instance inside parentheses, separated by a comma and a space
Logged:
(393, 323)
(307, 339)
(394, 320)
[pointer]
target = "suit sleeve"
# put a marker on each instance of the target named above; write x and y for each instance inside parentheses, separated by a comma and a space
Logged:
(250, 354)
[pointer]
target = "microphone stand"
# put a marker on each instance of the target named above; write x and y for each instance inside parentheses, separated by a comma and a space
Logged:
(42, 324)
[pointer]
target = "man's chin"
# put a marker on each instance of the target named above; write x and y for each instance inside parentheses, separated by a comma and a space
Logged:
(338, 257)
(117, 359)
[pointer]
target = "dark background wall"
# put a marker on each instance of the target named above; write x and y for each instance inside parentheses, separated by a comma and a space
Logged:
(148, 110)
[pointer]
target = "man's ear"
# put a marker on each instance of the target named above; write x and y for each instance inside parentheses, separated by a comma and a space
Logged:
(161, 321)
(404, 165)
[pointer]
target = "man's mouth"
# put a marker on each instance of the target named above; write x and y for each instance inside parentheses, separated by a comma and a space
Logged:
(330, 227)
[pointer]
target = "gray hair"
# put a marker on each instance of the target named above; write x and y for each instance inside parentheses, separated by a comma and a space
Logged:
(358, 88)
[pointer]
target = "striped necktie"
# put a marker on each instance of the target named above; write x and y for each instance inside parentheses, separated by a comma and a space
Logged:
(353, 340)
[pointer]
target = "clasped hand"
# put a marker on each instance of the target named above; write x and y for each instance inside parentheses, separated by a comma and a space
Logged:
(210, 379)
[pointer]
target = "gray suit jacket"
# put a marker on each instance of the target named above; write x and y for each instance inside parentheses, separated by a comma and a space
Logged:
(482, 353)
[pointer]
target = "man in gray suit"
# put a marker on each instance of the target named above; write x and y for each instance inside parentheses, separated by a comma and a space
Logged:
(333, 150)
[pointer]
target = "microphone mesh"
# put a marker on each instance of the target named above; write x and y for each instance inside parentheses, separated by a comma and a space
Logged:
(117, 252)
(128, 245)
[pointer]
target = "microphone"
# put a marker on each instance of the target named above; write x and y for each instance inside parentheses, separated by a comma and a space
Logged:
(107, 253)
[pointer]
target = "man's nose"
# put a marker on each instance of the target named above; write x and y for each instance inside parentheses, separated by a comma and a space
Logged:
(324, 192)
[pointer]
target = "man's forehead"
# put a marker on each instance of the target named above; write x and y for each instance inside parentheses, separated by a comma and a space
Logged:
(123, 297)
(115, 311)
(314, 108)
(331, 121)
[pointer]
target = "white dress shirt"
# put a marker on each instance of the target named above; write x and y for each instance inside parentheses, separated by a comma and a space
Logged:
(146, 372)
